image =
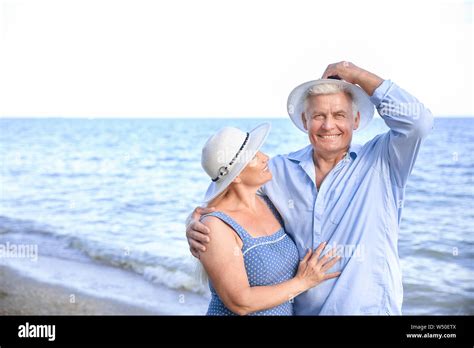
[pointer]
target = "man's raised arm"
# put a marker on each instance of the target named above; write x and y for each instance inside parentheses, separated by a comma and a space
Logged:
(409, 121)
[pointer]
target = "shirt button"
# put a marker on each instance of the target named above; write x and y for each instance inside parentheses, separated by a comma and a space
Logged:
(317, 227)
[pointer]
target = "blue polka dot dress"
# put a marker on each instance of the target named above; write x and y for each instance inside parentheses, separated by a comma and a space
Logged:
(269, 260)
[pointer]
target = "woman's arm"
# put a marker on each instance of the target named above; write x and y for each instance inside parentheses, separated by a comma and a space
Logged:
(224, 264)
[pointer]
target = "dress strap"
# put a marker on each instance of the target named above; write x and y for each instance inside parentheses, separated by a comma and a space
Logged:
(273, 209)
(243, 234)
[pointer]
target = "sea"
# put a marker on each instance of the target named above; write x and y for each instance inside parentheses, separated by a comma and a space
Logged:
(99, 205)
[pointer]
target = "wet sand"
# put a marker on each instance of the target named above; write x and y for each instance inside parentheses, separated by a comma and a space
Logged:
(20, 295)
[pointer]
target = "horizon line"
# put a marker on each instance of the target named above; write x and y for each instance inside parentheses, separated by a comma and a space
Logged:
(186, 117)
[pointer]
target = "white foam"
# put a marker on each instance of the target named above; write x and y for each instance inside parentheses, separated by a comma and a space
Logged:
(154, 264)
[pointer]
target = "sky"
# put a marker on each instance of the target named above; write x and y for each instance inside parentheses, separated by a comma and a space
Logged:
(222, 58)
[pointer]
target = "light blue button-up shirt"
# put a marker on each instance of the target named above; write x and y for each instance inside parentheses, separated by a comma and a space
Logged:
(357, 209)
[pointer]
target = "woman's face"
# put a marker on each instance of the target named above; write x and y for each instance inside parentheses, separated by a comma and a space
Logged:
(256, 173)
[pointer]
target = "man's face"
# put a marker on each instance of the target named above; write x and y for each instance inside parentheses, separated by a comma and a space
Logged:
(330, 122)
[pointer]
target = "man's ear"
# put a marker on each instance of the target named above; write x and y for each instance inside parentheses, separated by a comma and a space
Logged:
(303, 119)
(237, 180)
(357, 121)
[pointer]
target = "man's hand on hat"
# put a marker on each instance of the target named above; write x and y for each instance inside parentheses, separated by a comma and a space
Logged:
(345, 70)
(355, 75)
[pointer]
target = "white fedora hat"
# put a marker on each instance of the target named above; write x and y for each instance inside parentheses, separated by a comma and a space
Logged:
(295, 104)
(227, 153)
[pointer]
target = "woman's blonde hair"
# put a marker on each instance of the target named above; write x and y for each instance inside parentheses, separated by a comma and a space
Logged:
(200, 272)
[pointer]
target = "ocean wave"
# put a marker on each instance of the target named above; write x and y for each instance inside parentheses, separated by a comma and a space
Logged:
(176, 279)
(173, 272)
(177, 273)
(457, 165)
(15, 225)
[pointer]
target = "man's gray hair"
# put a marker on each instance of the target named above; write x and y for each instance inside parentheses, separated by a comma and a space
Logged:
(331, 88)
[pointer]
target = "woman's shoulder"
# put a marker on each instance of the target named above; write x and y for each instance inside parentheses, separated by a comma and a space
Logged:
(212, 221)
(219, 229)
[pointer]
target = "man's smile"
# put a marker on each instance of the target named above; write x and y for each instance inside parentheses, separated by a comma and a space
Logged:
(329, 136)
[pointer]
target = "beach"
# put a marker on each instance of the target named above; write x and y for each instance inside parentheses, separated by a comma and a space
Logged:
(56, 286)
(98, 206)
(20, 295)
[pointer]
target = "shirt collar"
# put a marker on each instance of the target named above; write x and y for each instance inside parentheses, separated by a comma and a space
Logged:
(306, 153)
(302, 154)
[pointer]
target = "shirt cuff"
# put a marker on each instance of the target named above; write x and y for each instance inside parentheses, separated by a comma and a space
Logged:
(380, 92)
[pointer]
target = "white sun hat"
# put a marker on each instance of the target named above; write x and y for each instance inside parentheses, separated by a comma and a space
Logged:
(295, 104)
(227, 153)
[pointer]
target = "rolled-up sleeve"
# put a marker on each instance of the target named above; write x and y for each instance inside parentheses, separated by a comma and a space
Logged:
(409, 122)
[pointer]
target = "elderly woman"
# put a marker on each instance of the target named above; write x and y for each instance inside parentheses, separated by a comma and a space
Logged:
(252, 264)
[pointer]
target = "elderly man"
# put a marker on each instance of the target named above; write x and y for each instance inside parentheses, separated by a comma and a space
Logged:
(348, 195)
